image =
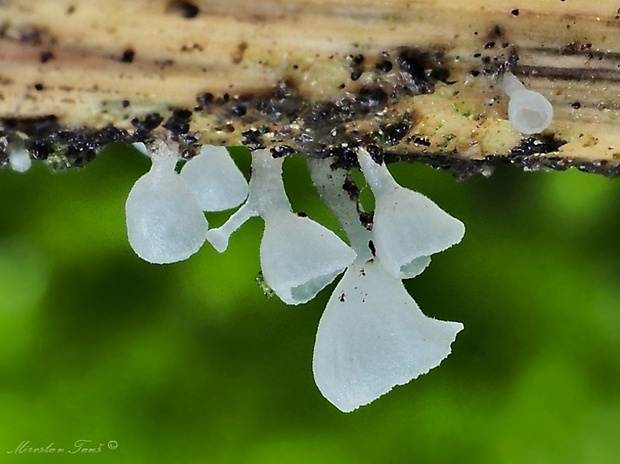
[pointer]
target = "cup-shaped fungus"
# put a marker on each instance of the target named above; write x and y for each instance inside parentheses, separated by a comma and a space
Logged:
(298, 256)
(164, 222)
(373, 336)
(408, 227)
(528, 111)
(215, 179)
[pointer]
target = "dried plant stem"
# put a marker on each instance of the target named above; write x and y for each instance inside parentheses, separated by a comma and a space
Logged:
(417, 79)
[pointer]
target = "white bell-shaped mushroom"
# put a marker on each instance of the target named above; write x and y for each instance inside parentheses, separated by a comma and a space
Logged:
(164, 222)
(215, 179)
(407, 226)
(528, 111)
(373, 336)
(299, 257)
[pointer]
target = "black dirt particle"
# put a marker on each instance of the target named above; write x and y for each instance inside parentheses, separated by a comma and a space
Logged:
(128, 56)
(238, 110)
(178, 123)
(251, 137)
(515, 12)
(184, 9)
(46, 56)
(371, 247)
(384, 66)
(496, 32)
(281, 150)
(357, 67)
(537, 145)
(576, 105)
(422, 70)
(125, 103)
(366, 219)
(421, 141)
(301, 214)
(375, 153)
(370, 99)
(489, 45)
(38, 87)
(322, 112)
(203, 100)
(395, 132)
(144, 126)
(357, 59)
(351, 189)
(41, 149)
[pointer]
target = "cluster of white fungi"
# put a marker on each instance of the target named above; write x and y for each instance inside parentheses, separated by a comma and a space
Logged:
(372, 335)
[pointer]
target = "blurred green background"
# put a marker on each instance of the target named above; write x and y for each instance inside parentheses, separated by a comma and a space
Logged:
(190, 363)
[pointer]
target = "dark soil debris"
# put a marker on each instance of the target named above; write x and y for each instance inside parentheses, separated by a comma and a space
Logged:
(184, 9)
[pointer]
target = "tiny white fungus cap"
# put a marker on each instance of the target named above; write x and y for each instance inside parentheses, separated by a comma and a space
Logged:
(407, 226)
(373, 336)
(299, 257)
(215, 179)
(528, 111)
(164, 222)
(19, 159)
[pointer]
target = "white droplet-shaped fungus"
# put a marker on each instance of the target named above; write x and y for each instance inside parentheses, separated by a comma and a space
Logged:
(215, 179)
(373, 336)
(164, 222)
(19, 159)
(408, 227)
(528, 111)
(299, 257)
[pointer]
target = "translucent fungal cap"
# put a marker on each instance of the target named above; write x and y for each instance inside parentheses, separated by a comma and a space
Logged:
(373, 336)
(299, 257)
(164, 222)
(19, 159)
(215, 179)
(528, 111)
(408, 227)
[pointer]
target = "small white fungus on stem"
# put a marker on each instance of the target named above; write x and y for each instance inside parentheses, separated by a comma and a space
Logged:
(528, 111)
(19, 159)
(407, 226)
(298, 256)
(164, 222)
(215, 179)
